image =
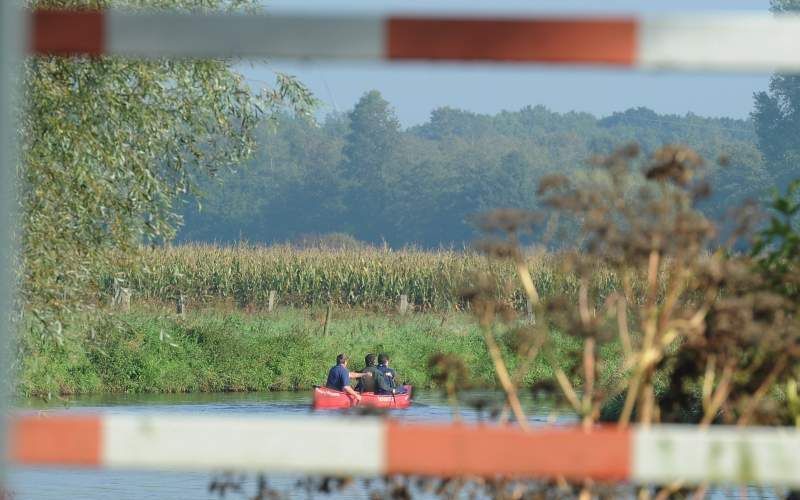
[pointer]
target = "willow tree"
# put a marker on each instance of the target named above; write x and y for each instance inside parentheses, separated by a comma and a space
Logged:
(111, 145)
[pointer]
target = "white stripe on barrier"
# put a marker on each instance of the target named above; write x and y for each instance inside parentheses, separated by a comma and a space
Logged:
(738, 42)
(282, 37)
(319, 446)
(720, 455)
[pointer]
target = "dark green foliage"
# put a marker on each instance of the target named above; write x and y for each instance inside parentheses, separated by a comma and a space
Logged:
(777, 246)
(360, 174)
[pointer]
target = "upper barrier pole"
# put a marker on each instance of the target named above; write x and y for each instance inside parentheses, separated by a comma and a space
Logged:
(723, 42)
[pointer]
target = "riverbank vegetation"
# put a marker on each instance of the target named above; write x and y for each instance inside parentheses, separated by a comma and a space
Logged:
(210, 350)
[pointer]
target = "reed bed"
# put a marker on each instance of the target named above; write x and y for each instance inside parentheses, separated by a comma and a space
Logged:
(372, 278)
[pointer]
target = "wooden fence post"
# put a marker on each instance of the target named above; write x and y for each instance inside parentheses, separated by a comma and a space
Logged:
(444, 315)
(180, 305)
(327, 318)
(124, 299)
(531, 317)
(271, 300)
(403, 307)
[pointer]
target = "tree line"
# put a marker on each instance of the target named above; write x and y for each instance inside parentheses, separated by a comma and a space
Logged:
(362, 174)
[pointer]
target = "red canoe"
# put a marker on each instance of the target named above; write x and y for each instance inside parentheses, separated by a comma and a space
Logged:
(329, 399)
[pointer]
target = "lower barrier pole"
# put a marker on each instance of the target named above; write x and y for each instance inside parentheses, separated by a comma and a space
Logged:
(655, 455)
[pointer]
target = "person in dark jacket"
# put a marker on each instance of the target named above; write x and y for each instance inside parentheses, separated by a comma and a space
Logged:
(372, 379)
(389, 373)
(339, 377)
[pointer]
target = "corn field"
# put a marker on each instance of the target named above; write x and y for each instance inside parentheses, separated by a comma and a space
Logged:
(369, 277)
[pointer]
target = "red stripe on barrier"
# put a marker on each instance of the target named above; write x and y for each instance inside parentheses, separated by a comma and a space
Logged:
(452, 450)
(64, 32)
(606, 41)
(62, 440)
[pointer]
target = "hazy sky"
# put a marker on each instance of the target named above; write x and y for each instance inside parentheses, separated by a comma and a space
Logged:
(416, 89)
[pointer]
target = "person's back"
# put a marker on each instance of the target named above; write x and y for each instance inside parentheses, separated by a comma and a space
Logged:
(389, 374)
(338, 378)
(375, 381)
(369, 383)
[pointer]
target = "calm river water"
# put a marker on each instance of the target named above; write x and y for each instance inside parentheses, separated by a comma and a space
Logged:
(28, 483)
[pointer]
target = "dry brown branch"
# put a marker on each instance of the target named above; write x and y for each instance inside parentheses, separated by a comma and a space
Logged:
(589, 374)
(708, 380)
(527, 282)
(700, 492)
(520, 372)
(653, 264)
(667, 491)
(647, 404)
(583, 302)
(622, 327)
(504, 378)
(720, 394)
(762, 390)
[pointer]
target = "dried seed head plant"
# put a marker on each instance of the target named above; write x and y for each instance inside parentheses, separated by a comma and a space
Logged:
(712, 336)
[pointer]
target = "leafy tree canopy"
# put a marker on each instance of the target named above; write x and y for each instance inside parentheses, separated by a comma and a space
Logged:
(110, 143)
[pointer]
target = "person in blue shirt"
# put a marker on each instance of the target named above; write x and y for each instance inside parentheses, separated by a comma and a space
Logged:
(339, 377)
(389, 373)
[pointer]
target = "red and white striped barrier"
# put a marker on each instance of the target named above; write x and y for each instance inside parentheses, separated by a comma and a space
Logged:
(713, 42)
(371, 446)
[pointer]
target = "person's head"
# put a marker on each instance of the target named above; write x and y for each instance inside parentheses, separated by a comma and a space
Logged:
(369, 359)
(383, 359)
(341, 359)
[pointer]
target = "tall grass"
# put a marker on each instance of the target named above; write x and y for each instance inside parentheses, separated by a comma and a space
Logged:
(369, 277)
(143, 351)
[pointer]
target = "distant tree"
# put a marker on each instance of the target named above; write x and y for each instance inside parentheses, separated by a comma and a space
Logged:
(777, 117)
(369, 153)
(449, 122)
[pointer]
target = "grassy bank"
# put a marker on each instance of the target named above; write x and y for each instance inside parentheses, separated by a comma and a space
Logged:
(146, 351)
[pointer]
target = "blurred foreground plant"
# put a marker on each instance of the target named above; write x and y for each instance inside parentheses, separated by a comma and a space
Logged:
(712, 335)
(713, 338)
